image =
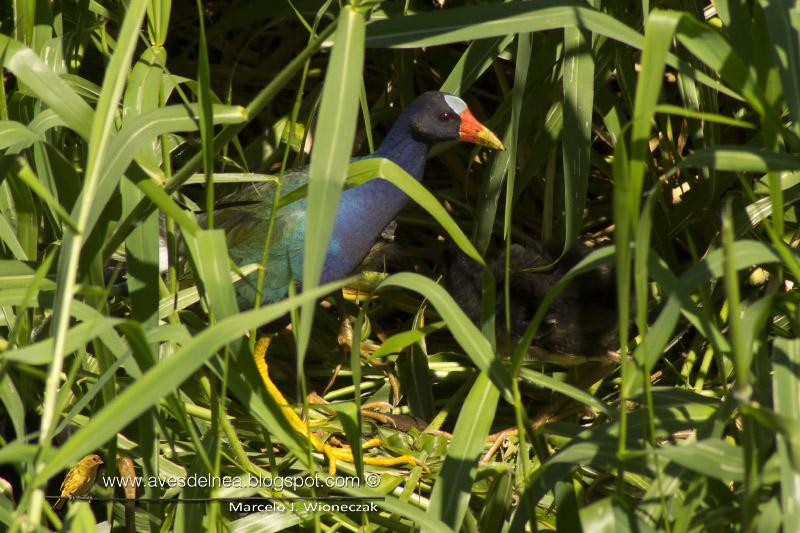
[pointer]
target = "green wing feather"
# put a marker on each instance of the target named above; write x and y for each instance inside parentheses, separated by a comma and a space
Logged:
(246, 228)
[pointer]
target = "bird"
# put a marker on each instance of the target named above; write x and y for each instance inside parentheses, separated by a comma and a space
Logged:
(80, 479)
(579, 327)
(364, 211)
(581, 322)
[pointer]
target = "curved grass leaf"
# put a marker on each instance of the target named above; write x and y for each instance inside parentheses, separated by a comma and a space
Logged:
(717, 459)
(370, 168)
(46, 85)
(78, 336)
(700, 115)
(555, 385)
(399, 341)
(46, 120)
(12, 133)
(141, 130)
(366, 169)
(478, 57)
(739, 159)
(464, 331)
(485, 21)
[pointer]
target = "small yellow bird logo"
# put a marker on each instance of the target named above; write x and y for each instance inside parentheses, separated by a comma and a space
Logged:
(80, 479)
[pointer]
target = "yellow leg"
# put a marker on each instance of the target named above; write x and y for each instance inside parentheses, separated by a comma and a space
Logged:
(272, 390)
(379, 417)
(332, 453)
(367, 411)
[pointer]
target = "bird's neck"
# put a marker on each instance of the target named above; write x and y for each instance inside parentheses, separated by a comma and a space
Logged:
(403, 149)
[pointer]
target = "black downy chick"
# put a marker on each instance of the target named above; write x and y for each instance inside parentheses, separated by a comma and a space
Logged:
(581, 321)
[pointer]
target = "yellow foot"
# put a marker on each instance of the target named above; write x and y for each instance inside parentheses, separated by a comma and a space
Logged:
(345, 454)
(332, 453)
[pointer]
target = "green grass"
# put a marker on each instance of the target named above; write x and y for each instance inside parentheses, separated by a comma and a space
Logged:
(667, 138)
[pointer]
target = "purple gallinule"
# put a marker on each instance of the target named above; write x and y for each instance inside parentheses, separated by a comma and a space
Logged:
(363, 212)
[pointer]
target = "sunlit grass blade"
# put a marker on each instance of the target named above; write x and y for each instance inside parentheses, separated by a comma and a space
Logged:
(578, 82)
(658, 39)
(334, 143)
(786, 395)
(739, 159)
(451, 492)
(708, 117)
(141, 248)
(47, 85)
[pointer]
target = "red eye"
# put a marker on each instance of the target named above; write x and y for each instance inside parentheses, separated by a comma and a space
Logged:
(446, 117)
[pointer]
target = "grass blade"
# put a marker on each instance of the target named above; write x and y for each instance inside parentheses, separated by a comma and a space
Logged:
(335, 131)
(99, 139)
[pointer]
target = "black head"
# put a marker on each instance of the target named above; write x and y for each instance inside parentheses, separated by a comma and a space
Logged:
(432, 119)
(437, 117)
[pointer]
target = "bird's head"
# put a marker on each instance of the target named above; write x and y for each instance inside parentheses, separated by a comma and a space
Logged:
(92, 460)
(437, 117)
